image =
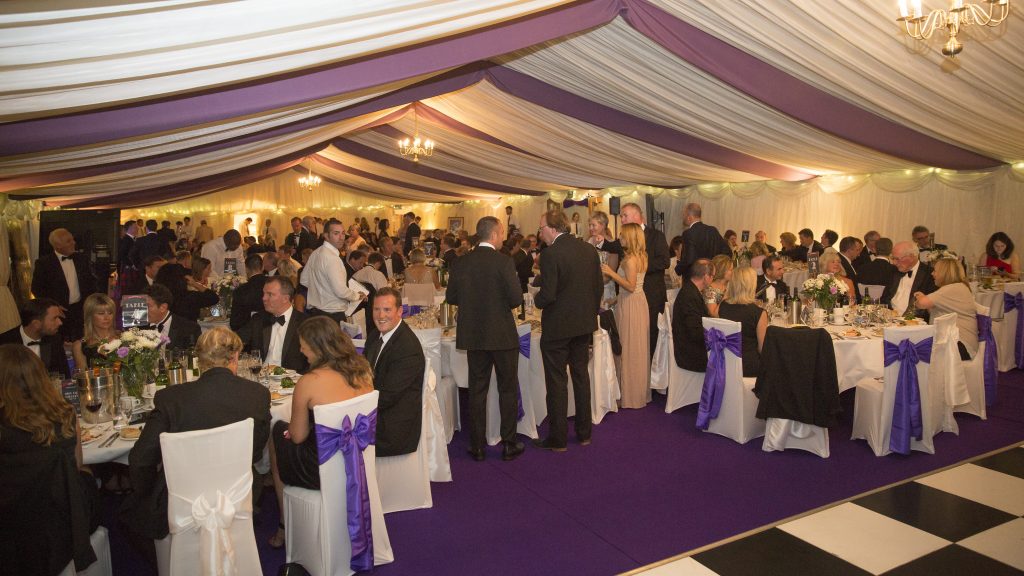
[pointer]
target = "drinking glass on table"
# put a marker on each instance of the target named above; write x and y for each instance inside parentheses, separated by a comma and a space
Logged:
(123, 415)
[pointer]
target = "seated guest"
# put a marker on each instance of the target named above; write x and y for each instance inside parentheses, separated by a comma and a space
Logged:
(248, 298)
(151, 267)
(714, 293)
(829, 264)
(789, 247)
(770, 285)
(688, 312)
(877, 271)
(216, 399)
(41, 319)
(869, 251)
(187, 295)
(999, 255)
(828, 240)
(739, 306)
(66, 277)
(849, 249)
(393, 261)
(99, 328)
(675, 250)
(418, 272)
(953, 295)
(398, 363)
(287, 269)
(48, 502)
(201, 269)
(274, 330)
(269, 263)
(758, 252)
(448, 244)
(181, 332)
(371, 273)
(911, 276)
(807, 245)
(923, 239)
(762, 237)
(184, 258)
(337, 373)
(732, 240)
(286, 252)
(354, 262)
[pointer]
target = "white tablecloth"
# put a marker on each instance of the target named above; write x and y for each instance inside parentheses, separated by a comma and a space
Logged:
(116, 452)
(857, 358)
(795, 278)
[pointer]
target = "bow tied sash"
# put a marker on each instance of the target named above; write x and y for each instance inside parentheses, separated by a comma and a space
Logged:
(410, 310)
(906, 410)
(351, 441)
(566, 204)
(991, 360)
(1013, 302)
(713, 391)
(524, 349)
(213, 520)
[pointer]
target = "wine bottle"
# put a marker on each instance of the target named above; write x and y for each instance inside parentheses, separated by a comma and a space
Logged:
(867, 300)
(161, 374)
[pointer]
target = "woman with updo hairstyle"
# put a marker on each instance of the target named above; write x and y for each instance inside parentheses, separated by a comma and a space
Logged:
(715, 292)
(418, 272)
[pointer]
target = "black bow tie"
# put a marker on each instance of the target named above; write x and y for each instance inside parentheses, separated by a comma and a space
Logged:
(910, 273)
(770, 283)
(160, 326)
(278, 320)
(63, 258)
(33, 343)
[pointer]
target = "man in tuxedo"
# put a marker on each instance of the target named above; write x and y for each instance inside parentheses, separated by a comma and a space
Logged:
(167, 235)
(274, 331)
(699, 241)
(571, 284)
(398, 363)
(688, 312)
(923, 238)
(393, 262)
(657, 261)
(770, 285)
(66, 277)
(762, 237)
(807, 245)
(878, 272)
(218, 398)
(41, 320)
(412, 230)
(150, 268)
(523, 261)
(486, 289)
(300, 238)
(849, 248)
(911, 276)
(448, 254)
(248, 298)
(181, 332)
(149, 245)
(869, 251)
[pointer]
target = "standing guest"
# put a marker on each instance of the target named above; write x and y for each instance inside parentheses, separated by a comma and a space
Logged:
(396, 355)
(657, 262)
(418, 272)
(300, 238)
(412, 231)
(371, 273)
(48, 501)
(273, 331)
(219, 250)
(325, 277)
(999, 255)
(575, 228)
(523, 262)
(486, 289)
(65, 277)
(699, 240)
(149, 245)
(688, 312)
(829, 239)
(762, 237)
(770, 285)
(393, 262)
(608, 247)
(448, 255)
(714, 293)
(314, 225)
(218, 398)
(923, 239)
(829, 264)
(40, 328)
(337, 373)
(127, 273)
(570, 297)
(511, 222)
(631, 318)
(167, 235)
(268, 235)
(181, 332)
(739, 306)
(185, 231)
(247, 299)
(877, 271)
(869, 251)
(204, 233)
(99, 328)
(912, 276)
(953, 295)
(188, 295)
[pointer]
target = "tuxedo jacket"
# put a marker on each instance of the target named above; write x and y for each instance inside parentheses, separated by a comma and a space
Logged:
(780, 288)
(524, 268)
(862, 259)
(397, 265)
(183, 334)
(398, 376)
(571, 285)
(300, 242)
(125, 246)
(246, 301)
(148, 245)
(799, 253)
(449, 257)
(255, 335)
(852, 274)
(688, 312)
(51, 350)
(216, 399)
(923, 282)
(413, 231)
(485, 287)
(876, 272)
(48, 279)
(699, 241)
(657, 262)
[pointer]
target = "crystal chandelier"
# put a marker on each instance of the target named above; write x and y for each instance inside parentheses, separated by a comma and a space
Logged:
(922, 27)
(416, 146)
(309, 181)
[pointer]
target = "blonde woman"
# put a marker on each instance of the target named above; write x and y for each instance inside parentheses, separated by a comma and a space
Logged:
(715, 292)
(953, 295)
(829, 263)
(607, 246)
(287, 269)
(418, 272)
(739, 306)
(98, 311)
(633, 318)
(758, 252)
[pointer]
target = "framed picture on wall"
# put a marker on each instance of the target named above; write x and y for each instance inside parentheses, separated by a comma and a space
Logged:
(456, 223)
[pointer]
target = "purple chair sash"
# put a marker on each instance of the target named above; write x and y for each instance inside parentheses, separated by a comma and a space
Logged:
(524, 349)
(906, 410)
(714, 379)
(410, 310)
(351, 441)
(991, 369)
(1013, 302)
(360, 350)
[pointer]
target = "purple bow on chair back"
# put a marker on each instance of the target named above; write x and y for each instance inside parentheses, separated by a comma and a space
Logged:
(410, 310)
(1013, 302)
(570, 203)
(991, 359)
(714, 379)
(906, 410)
(351, 441)
(524, 349)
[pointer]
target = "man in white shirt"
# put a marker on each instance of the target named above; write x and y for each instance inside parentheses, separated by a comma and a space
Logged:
(268, 235)
(204, 233)
(325, 276)
(185, 230)
(371, 274)
(511, 223)
(911, 276)
(220, 249)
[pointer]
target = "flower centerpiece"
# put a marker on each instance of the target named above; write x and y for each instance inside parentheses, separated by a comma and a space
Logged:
(225, 287)
(134, 357)
(825, 290)
(934, 256)
(742, 256)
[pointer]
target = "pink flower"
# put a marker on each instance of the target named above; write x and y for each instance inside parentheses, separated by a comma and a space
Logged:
(832, 289)
(122, 352)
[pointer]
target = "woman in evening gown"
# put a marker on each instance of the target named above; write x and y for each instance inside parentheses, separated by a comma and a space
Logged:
(633, 319)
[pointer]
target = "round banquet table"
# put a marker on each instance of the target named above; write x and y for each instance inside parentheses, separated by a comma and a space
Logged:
(795, 278)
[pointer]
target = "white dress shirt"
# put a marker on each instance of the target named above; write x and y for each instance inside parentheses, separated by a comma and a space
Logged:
(371, 276)
(327, 280)
(215, 251)
(901, 299)
(25, 339)
(277, 333)
(164, 325)
(269, 234)
(71, 275)
(385, 337)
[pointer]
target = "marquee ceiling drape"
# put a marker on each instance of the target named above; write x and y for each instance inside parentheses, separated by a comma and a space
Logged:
(155, 101)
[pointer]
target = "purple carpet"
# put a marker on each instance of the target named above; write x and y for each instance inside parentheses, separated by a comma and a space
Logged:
(649, 487)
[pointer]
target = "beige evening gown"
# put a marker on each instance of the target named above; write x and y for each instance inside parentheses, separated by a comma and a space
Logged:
(634, 365)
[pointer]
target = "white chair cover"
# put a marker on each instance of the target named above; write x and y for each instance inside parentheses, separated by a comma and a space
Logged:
(433, 429)
(446, 394)
(874, 290)
(737, 417)
(404, 481)
(1005, 330)
(684, 386)
(947, 372)
(874, 403)
(782, 434)
(100, 542)
(527, 425)
(316, 521)
(604, 382)
(418, 294)
(663, 355)
(974, 374)
(209, 501)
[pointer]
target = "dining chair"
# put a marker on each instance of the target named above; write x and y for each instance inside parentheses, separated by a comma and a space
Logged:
(947, 373)
(1005, 331)
(527, 421)
(736, 418)
(663, 354)
(100, 542)
(404, 480)
(684, 386)
(979, 380)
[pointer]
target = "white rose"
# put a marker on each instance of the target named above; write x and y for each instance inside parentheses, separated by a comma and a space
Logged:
(148, 344)
(110, 346)
(128, 336)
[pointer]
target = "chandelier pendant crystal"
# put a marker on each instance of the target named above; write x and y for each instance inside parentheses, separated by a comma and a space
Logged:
(921, 27)
(416, 146)
(309, 181)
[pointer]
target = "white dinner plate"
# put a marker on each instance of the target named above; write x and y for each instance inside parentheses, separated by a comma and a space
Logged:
(288, 374)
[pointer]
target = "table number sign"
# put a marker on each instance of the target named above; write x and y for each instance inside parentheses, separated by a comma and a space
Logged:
(230, 266)
(134, 311)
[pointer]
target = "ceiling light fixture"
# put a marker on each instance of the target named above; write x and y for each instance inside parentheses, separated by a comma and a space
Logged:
(921, 27)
